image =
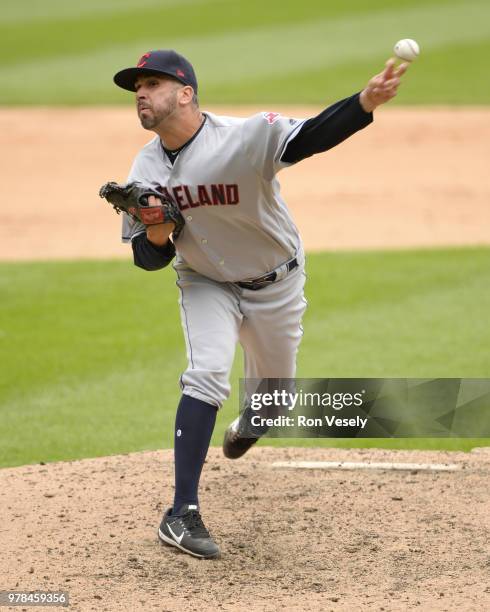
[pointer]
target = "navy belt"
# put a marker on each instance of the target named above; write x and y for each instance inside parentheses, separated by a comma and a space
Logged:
(267, 279)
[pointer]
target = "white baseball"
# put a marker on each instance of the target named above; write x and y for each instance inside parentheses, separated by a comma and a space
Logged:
(407, 49)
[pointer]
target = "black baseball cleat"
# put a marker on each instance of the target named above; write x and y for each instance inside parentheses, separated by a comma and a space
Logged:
(235, 446)
(187, 532)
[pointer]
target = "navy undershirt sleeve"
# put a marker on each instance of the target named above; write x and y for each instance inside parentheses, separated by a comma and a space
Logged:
(149, 256)
(328, 129)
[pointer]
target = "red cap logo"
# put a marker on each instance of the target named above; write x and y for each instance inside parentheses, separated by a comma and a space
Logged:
(142, 60)
(179, 73)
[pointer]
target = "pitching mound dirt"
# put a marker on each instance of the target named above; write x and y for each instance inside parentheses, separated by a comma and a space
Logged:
(291, 540)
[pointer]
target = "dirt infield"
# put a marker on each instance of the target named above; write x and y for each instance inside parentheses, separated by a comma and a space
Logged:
(415, 178)
(309, 540)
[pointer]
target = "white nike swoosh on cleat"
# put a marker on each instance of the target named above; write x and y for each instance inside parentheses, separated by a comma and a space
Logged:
(167, 540)
(178, 539)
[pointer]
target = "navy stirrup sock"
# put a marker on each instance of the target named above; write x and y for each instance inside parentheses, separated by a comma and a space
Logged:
(194, 426)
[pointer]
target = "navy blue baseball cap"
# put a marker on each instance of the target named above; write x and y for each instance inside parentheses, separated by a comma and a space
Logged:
(161, 61)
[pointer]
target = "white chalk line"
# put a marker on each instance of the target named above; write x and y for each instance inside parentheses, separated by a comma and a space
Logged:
(366, 465)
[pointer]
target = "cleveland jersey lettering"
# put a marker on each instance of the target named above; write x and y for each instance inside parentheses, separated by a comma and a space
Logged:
(203, 195)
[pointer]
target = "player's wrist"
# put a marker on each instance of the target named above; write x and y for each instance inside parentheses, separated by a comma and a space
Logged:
(159, 233)
(366, 102)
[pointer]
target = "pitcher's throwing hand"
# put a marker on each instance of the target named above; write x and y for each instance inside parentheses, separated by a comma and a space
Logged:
(382, 87)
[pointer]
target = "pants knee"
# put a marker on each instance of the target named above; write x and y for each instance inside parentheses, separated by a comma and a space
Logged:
(211, 386)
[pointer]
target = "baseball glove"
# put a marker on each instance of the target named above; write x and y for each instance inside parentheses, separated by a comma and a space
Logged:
(132, 198)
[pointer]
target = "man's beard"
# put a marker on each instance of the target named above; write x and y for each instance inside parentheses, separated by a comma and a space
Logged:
(153, 118)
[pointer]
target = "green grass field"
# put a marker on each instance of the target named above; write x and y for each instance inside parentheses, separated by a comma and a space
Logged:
(91, 352)
(244, 51)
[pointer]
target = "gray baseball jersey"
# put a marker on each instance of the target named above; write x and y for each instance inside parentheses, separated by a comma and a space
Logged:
(238, 226)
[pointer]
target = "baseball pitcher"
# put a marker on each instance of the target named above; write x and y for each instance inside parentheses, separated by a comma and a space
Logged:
(204, 194)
